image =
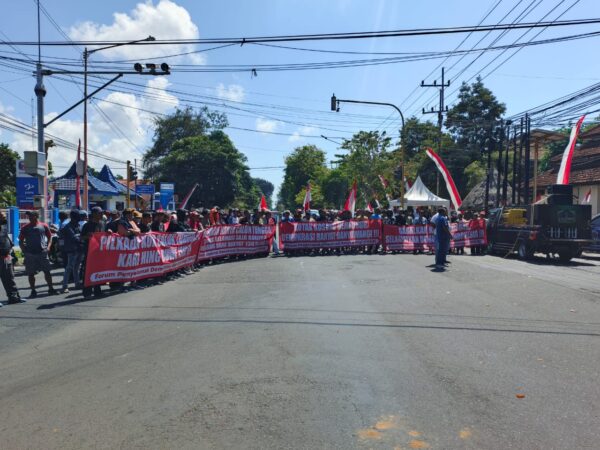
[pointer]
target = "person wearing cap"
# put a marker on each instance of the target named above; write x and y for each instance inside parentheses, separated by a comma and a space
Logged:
(92, 226)
(7, 274)
(287, 216)
(36, 240)
(194, 223)
(71, 237)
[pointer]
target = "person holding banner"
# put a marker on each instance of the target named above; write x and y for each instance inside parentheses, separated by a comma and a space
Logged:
(94, 225)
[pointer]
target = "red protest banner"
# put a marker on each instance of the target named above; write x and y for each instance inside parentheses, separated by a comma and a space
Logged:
(348, 233)
(422, 237)
(227, 240)
(407, 238)
(469, 234)
(113, 258)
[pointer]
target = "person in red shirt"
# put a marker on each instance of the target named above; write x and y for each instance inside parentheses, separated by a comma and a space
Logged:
(36, 240)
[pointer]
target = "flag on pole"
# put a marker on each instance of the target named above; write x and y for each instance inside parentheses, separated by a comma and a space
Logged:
(77, 181)
(565, 165)
(263, 204)
(588, 196)
(369, 207)
(384, 182)
(187, 197)
(351, 200)
(307, 198)
(454, 195)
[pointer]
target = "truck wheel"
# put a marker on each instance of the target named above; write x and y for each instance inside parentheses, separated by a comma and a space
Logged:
(524, 251)
(565, 256)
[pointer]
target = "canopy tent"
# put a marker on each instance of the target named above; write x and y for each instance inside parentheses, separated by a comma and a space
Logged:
(419, 195)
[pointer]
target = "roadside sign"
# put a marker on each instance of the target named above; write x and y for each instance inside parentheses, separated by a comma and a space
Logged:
(144, 189)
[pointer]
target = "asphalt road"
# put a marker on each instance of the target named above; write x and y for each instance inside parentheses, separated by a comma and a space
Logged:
(313, 353)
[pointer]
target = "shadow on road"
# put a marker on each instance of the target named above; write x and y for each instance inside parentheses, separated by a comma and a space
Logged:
(311, 323)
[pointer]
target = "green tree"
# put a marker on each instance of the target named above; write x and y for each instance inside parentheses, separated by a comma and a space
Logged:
(304, 164)
(470, 120)
(266, 188)
(8, 173)
(216, 165)
(334, 188)
(181, 124)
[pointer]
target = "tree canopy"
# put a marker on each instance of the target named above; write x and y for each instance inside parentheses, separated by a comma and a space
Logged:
(8, 170)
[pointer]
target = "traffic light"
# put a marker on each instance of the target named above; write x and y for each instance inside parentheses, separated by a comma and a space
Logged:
(334, 106)
(132, 174)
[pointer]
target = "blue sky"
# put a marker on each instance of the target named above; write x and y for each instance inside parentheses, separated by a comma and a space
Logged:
(271, 100)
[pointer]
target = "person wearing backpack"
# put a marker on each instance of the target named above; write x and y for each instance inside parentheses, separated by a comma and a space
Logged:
(71, 237)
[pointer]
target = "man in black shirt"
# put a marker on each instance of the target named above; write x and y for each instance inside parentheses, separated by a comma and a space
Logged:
(144, 224)
(92, 226)
(7, 273)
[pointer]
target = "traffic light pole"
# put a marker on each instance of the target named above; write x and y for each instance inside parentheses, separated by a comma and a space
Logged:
(335, 106)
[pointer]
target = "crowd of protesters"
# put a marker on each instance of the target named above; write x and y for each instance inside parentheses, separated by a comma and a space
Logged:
(77, 226)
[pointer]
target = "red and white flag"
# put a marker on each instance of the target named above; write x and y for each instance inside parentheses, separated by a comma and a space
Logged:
(77, 181)
(565, 165)
(307, 198)
(263, 204)
(384, 182)
(187, 197)
(369, 207)
(350, 204)
(454, 195)
(588, 196)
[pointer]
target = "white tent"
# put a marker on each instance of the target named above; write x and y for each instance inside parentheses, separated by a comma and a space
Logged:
(419, 195)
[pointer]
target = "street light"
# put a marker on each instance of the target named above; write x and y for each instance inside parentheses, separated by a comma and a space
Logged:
(335, 106)
(86, 55)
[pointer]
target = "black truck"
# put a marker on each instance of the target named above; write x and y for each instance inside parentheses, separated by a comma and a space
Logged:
(555, 227)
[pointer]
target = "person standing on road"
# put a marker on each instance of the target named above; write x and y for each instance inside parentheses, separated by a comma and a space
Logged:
(442, 238)
(94, 225)
(7, 273)
(71, 236)
(36, 241)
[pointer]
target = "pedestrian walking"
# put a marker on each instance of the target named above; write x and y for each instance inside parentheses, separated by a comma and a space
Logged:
(7, 273)
(71, 237)
(36, 240)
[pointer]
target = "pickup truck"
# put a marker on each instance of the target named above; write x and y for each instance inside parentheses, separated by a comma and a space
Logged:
(555, 229)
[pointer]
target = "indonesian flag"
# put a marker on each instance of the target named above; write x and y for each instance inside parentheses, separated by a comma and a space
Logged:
(454, 195)
(565, 165)
(384, 182)
(263, 204)
(369, 207)
(588, 196)
(77, 181)
(307, 198)
(351, 200)
(187, 197)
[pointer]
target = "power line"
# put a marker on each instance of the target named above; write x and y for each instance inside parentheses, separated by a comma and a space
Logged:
(325, 36)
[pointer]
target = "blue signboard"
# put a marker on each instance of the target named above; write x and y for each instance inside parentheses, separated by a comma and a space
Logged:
(167, 192)
(27, 187)
(144, 189)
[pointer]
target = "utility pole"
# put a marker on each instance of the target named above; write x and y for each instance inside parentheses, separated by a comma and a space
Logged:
(40, 92)
(127, 183)
(442, 108)
(135, 184)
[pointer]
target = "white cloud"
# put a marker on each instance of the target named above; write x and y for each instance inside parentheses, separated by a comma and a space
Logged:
(233, 92)
(266, 125)
(104, 135)
(296, 135)
(165, 20)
